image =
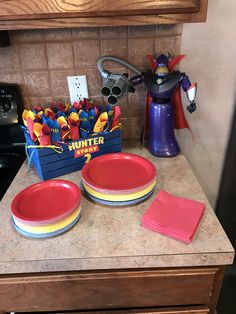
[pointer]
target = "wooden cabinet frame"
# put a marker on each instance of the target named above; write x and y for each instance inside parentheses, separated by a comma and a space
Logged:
(25, 9)
(39, 14)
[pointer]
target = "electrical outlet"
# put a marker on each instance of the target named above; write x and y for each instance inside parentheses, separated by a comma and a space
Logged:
(77, 87)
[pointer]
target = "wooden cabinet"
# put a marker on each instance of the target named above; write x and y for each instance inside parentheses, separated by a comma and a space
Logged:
(23, 14)
(166, 291)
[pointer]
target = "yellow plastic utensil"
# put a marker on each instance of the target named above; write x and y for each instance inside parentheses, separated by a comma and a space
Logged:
(37, 129)
(62, 122)
(24, 116)
(101, 122)
(74, 116)
(31, 115)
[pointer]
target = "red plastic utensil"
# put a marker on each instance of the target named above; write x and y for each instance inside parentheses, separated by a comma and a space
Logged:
(116, 118)
(45, 136)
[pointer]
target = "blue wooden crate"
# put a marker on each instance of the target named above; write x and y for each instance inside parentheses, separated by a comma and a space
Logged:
(51, 164)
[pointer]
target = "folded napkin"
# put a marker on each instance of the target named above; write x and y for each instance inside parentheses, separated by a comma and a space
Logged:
(174, 216)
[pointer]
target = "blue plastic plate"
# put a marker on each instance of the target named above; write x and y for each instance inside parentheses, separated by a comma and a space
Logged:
(46, 235)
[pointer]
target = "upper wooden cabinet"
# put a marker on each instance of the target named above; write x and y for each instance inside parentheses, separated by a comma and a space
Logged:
(22, 14)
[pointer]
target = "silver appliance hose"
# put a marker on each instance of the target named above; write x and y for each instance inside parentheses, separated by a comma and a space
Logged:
(104, 73)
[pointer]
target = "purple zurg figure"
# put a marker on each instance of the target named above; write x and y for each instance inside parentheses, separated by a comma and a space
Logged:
(164, 111)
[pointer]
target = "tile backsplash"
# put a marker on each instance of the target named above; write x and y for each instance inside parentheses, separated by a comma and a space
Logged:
(40, 61)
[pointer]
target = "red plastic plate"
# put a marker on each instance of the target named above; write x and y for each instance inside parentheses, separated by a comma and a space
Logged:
(118, 172)
(47, 201)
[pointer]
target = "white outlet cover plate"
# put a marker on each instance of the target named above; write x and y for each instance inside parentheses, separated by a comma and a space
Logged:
(77, 87)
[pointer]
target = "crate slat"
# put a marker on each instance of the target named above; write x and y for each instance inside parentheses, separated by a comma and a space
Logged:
(75, 167)
(50, 164)
(55, 157)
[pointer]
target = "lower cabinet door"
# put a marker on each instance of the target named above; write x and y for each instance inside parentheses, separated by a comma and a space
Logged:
(156, 288)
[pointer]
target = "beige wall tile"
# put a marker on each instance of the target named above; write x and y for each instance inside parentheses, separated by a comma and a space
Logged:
(65, 99)
(86, 52)
(59, 82)
(136, 106)
(33, 56)
(114, 47)
(168, 45)
(57, 34)
(122, 102)
(27, 36)
(38, 84)
(132, 127)
(42, 101)
(15, 78)
(114, 32)
(94, 80)
(60, 56)
(141, 31)
(98, 99)
(168, 30)
(92, 32)
(9, 58)
(46, 101)
(139, 48)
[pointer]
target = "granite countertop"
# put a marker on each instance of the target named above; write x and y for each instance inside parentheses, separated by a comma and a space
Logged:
(112, 238)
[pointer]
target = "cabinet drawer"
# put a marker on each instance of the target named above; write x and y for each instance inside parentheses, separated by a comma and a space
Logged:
(107, 290)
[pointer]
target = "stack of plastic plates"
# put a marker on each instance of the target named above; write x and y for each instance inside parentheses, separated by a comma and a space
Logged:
(118, 179)
(46, 209)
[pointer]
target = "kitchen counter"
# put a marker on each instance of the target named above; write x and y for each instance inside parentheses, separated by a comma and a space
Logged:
(108, 262)
(112, 238)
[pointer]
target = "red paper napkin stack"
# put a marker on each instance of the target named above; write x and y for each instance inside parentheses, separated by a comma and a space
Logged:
(173, 216)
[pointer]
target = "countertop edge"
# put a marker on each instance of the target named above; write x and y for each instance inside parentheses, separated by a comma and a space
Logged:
(115, 263)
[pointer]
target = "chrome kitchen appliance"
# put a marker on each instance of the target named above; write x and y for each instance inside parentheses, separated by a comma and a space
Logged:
(12, 142)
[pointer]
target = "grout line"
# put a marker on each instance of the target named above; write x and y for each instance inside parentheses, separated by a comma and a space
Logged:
(154, 41)
(129, 60)
(21, 72)
(34, 70)
(100, 54)
(90, 67)
(73, 52)
(68, 40)
(46, 56)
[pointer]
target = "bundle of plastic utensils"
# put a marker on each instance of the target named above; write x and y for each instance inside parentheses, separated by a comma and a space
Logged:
(61, 122)
(118, 179)
(173, 216)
